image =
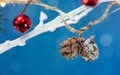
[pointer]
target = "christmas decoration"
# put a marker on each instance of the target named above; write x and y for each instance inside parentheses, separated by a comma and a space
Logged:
(90, 2)
(22, 23)
(71, 47)
(86, 48)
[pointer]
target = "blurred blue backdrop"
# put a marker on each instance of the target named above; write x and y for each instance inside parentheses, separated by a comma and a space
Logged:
(40, 55)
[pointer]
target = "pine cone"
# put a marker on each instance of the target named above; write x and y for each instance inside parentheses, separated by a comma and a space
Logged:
(87, 48)
(90, 50)
(70, 48)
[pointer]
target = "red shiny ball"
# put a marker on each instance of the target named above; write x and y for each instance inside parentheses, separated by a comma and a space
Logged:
(91, 3)
(22, 23)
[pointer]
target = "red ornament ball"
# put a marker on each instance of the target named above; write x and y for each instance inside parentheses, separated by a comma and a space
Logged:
(22, 23)
(91, 3)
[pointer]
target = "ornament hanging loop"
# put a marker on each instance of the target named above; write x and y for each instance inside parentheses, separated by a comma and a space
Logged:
(26, 6)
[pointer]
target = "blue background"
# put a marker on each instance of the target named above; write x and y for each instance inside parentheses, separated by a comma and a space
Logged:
(40, 55)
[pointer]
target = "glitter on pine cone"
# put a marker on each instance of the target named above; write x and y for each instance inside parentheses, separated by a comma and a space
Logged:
(91, 3)
(89, 50)
(22, 23)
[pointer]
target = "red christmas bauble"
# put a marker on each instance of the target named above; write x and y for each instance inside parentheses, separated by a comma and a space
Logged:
(91, 3)
(22, 23)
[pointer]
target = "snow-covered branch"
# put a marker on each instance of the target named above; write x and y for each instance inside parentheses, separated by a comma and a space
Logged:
(71, 17)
